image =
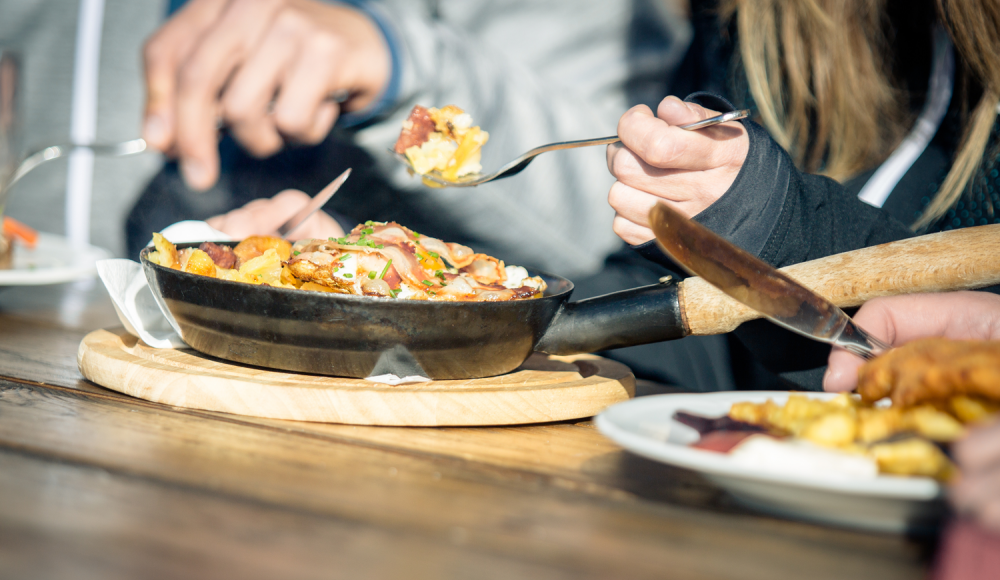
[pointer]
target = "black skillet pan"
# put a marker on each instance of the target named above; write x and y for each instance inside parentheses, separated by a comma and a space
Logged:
(358, 336)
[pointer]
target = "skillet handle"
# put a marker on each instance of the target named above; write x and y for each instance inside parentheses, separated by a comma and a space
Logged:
(627, 318)
(954, 260)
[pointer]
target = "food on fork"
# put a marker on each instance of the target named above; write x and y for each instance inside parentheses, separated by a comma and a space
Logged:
(384, 260)
(443, 141)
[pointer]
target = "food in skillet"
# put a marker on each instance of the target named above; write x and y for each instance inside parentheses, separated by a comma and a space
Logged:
(443, 141)
(376, 259)
(937, 388)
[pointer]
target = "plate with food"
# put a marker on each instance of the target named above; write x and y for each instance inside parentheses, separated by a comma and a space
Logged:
(30, 258)
(786, 476)
(875, 460)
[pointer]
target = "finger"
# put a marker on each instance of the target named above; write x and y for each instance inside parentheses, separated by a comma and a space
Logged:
(222, 50)
(319, 225)
(972, 493)
(260, 217)
(689, 191)
(842, 371)
(163, 54)
(979, 451)
(303, 111)
(632, 204)
(662, 144)
(247, 98)
(631, 232)
(989, 514)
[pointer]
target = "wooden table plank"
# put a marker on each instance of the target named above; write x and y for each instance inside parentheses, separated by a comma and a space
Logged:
(510, 514)
(80, 523)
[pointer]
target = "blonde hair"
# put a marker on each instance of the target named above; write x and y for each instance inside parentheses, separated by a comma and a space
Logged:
(818, 71)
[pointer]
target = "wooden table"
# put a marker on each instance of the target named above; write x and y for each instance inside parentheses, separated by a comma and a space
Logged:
(95, 484)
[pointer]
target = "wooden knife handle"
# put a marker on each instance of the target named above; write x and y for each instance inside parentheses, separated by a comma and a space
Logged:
(954, 260)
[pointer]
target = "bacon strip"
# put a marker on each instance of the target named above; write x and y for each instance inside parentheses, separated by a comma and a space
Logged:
(416, 129)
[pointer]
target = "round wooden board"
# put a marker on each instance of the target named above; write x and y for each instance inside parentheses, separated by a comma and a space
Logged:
(545, 388)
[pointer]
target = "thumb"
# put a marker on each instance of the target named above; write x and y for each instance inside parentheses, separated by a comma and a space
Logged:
(676, 112)
(842, 372)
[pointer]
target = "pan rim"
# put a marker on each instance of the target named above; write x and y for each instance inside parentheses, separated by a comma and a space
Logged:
(353, 298)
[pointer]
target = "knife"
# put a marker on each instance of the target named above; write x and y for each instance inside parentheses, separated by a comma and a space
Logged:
(318, 201)
(946, 261)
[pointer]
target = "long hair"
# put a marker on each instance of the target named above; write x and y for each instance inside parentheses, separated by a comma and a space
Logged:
(819, 73)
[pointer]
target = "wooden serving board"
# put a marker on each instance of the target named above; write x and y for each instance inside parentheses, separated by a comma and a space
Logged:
(545, 388)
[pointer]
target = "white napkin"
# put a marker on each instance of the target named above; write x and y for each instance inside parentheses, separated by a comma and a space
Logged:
(135, 303)
(141, 313)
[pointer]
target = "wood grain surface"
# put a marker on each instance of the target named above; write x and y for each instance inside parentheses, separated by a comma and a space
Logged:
(98, 484)
(954, 260)
(544, 389)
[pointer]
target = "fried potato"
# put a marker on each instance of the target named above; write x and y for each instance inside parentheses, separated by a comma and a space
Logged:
(878, 424)
(837, 429)
(972, 409)
(165, 254)
(933, 424)
(199, 262)
(255, 246)
(912, 456)
(264, 269)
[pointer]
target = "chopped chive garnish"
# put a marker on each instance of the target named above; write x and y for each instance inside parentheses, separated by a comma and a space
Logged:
(416, 235)
(371, 275)
(434, 254)
(296, 252)
(367, 231)
(348, 275)
(439, 274)
(417, 242)
(369, 222)
(380, 246)
(386, 269)
(432, 293)
(428, 282)
(395, 292)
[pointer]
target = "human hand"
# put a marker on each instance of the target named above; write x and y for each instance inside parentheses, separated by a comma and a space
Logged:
(900, 319)
(262, 217)
(658, 161)
(264, 69)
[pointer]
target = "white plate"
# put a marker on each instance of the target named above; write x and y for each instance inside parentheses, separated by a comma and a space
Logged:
(884, 503)
(52, 261)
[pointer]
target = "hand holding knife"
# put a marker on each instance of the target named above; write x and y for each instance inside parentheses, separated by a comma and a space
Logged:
(945, 261)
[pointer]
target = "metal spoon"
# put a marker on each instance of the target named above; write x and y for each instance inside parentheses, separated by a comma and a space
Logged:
(518, 165)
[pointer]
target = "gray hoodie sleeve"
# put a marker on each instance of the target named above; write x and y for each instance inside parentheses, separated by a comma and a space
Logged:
(529, 73)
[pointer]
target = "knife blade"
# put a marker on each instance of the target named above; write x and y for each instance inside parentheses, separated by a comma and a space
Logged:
(755, 283)
(318, 201)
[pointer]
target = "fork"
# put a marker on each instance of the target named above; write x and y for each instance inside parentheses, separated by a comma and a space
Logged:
(51, 152)
(517, 166)
(119, 149)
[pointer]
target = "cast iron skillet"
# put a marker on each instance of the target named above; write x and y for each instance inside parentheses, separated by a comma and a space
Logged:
(358, 336)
